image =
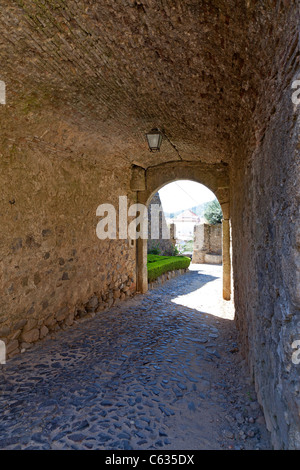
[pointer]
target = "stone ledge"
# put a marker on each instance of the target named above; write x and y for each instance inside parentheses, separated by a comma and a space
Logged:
(166, 277)
(212, 259)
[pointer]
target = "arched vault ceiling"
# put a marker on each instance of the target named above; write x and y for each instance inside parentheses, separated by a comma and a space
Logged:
(116, 68)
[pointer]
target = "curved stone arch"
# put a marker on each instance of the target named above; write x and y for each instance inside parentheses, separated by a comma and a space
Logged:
(214, 176)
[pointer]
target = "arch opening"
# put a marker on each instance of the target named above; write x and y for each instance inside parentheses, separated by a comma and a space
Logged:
(214, 177)
(182, 206)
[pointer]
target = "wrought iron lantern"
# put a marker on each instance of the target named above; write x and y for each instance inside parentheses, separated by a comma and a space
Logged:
(154, 139)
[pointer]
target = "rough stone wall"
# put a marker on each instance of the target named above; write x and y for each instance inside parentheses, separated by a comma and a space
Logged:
(207, 244)
(215, 239)
(201, 243)
(166, 246)
(265, 231)
(53, 268)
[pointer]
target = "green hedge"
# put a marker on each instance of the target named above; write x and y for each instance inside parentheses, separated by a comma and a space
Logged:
(158, 265)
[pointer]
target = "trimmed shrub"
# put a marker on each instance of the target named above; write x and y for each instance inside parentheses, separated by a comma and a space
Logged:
(158, 265)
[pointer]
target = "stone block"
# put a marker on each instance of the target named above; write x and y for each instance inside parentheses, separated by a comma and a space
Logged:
(15, 335)
(31, 336)
(12, 346)
(92, 304)
(30, 324)
(50, 321)
(20, 324)
(117, 293)
(43, 331)
(4, 332)
(212, 259)
(62, 314)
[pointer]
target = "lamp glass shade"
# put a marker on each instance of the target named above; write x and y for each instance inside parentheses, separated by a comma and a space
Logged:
(154, 140)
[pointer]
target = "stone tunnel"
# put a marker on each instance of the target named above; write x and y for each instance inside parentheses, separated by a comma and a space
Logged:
(84, 82)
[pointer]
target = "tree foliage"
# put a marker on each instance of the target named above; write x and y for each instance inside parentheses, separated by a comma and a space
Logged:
(213, 213)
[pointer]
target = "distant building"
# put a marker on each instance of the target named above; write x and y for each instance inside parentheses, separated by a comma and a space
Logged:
(185, 223)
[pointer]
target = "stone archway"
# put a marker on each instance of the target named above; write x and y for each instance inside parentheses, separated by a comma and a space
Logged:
(214, 176)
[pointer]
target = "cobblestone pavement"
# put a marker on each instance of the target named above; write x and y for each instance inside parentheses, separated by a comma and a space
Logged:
(158, 371)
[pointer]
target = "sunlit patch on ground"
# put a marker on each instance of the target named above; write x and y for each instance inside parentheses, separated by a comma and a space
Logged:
(208, 298)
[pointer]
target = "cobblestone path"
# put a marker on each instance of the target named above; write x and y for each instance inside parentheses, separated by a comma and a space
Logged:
(159, 371)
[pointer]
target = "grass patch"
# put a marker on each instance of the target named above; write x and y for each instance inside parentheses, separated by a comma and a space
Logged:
(158, 265)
